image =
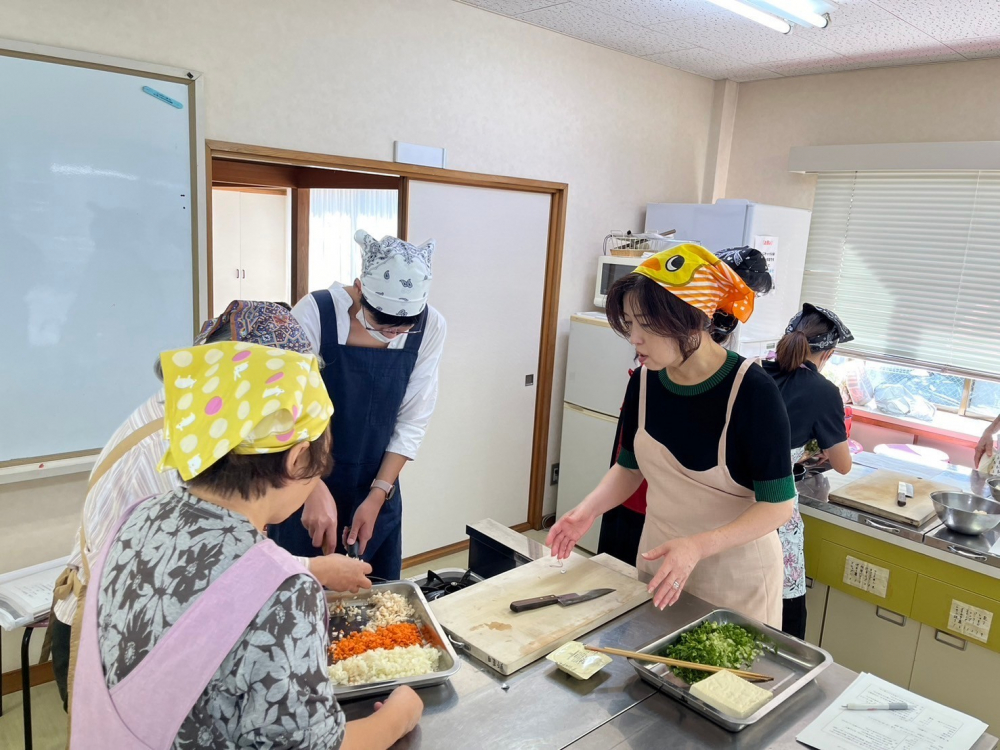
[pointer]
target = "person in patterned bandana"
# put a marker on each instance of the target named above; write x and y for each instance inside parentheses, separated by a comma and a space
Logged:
(707, 430)
(381, 344)
(199, 631)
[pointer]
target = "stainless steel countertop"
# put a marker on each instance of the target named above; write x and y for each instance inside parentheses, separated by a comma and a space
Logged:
(814, 492)
(545, 709)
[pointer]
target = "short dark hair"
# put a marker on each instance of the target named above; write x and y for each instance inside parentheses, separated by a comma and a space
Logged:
(384, 319)
(251, 476)
(657, 311)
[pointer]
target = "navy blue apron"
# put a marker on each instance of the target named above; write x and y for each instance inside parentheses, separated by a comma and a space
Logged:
(367, 388)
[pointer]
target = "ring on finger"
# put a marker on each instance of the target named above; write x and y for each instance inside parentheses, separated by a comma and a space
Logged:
(676, 584)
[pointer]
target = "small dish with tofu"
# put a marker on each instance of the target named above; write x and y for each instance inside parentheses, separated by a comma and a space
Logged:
(724, 698)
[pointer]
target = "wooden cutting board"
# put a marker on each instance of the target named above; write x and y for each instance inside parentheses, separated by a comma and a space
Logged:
(480, 615)
(876, 494)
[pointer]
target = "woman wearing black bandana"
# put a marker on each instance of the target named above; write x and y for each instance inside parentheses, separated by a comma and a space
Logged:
(815, 412)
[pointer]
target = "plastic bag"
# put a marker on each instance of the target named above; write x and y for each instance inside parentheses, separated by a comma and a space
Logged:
(896, 401)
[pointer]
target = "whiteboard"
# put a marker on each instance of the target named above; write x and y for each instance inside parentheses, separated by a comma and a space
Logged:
(97, 249)
(489, 279)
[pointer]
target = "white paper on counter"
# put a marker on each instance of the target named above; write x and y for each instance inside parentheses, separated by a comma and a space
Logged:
(926, 726)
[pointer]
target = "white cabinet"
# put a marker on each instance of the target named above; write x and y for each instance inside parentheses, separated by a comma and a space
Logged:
(958, 673)
(816, 595)
(251, 247)
(584, 458)
(866, 638)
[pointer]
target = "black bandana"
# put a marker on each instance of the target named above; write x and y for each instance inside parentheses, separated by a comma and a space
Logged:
(840, 334)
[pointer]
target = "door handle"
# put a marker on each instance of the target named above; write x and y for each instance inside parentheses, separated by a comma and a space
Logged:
(244, 273)
(880, 526)
(946, 640)
(967, 555)
(809, 582)
(889, 616)
(237, 273)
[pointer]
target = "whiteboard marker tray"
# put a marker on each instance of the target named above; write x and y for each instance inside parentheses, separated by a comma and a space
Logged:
(793, 664)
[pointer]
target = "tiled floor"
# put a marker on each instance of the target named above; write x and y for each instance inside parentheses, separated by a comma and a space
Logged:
(49, 720)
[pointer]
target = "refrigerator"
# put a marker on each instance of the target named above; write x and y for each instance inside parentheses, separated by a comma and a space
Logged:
(597, 374)
(779, 232)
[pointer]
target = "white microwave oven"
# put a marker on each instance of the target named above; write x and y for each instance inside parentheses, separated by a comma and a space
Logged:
(610, 268)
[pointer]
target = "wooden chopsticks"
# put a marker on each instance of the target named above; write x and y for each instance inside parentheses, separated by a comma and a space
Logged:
(750, 676)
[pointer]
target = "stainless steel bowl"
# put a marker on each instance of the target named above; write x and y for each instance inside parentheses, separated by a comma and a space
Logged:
(994, 483)
(957, 511)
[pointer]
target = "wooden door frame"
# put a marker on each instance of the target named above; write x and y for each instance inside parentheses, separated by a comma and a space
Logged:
(553, 262)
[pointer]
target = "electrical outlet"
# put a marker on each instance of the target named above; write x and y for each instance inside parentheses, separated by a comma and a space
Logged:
(554, 476)
(529, 380)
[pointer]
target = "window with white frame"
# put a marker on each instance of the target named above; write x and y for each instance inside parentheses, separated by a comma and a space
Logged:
(334, 216)
(911, 262)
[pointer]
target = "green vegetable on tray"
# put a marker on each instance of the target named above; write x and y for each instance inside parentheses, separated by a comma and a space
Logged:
(726, 645)
(812, 447)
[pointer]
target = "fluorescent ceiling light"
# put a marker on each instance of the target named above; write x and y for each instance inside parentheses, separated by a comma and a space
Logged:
(772, 22)
(800, 11)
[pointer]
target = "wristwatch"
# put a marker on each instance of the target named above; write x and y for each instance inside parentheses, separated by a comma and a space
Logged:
(388, 489)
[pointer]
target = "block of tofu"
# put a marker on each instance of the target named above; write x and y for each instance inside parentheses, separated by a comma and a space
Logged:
(730, 694)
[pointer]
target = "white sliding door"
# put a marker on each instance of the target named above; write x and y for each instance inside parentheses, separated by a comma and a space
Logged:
(489, 273)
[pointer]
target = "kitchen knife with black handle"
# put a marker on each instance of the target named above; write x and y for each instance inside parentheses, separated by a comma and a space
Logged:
(565, 600)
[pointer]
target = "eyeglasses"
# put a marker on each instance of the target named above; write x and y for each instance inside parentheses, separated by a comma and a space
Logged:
(389, 331)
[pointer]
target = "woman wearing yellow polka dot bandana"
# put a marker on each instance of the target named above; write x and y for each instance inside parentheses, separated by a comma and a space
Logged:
(239, 397)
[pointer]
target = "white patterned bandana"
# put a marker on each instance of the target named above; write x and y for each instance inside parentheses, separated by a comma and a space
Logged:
(395, 275)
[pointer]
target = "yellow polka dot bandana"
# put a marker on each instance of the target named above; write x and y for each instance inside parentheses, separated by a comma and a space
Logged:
(234, 396)
(693, 274)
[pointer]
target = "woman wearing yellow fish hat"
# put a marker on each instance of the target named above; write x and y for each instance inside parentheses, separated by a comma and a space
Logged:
(707, 430)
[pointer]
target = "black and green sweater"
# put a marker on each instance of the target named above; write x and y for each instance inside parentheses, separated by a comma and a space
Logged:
(688, 421)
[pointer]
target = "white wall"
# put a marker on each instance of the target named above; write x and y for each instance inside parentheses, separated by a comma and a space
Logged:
(348, 77)
(912, 104)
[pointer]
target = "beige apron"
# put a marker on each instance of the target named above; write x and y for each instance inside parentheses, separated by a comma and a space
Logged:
(681, 502)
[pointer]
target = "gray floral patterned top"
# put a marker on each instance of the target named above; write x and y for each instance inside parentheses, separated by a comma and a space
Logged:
(273, 689)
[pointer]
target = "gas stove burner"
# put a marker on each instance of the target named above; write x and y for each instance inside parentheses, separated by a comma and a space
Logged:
(436, 585)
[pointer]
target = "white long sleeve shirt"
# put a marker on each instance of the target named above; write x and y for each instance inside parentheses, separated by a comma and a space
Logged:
(421, 392)
(133, 477)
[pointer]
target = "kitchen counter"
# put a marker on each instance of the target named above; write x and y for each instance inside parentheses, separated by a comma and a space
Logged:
(541, 708)
(979, 554)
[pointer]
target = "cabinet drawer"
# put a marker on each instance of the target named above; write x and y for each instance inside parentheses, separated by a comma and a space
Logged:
(866, 638)
(933, 605)
(899, 582)
(957, 673)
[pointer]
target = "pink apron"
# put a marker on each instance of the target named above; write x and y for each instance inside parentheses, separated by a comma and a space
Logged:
(146, 709)
(681, 502)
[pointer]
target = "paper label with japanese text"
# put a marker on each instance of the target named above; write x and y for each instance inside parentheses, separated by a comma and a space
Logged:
(865, 576)
(970, 621)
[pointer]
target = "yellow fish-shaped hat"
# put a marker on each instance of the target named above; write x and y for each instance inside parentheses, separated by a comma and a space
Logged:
(691, 273)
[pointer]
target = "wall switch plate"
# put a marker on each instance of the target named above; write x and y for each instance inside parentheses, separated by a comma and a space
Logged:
(554, 476)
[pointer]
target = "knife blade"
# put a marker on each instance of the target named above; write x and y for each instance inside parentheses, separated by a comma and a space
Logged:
(565, 600)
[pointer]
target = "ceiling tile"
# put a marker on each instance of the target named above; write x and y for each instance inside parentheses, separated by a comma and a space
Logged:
(743, 39)
(650, 12)
(948, 19)
(587, 24)
(510, 7)
(977, 48)
(711, 64)
(849, 12)
(874, 37)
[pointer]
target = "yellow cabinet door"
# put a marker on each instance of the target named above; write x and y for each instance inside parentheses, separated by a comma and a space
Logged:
(959, 674)
(816, 593)
(868, 638)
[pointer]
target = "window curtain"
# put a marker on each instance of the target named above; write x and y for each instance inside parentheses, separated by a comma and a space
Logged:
(911, 262)
(334, 217)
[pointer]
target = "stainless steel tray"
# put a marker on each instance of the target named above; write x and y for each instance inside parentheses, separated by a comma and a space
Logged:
(793, 665)
(423, 618)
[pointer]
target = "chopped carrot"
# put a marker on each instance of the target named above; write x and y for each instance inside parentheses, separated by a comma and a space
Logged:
(391, 636)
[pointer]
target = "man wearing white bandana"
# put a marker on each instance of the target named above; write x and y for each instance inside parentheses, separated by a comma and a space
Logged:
(381, 344)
